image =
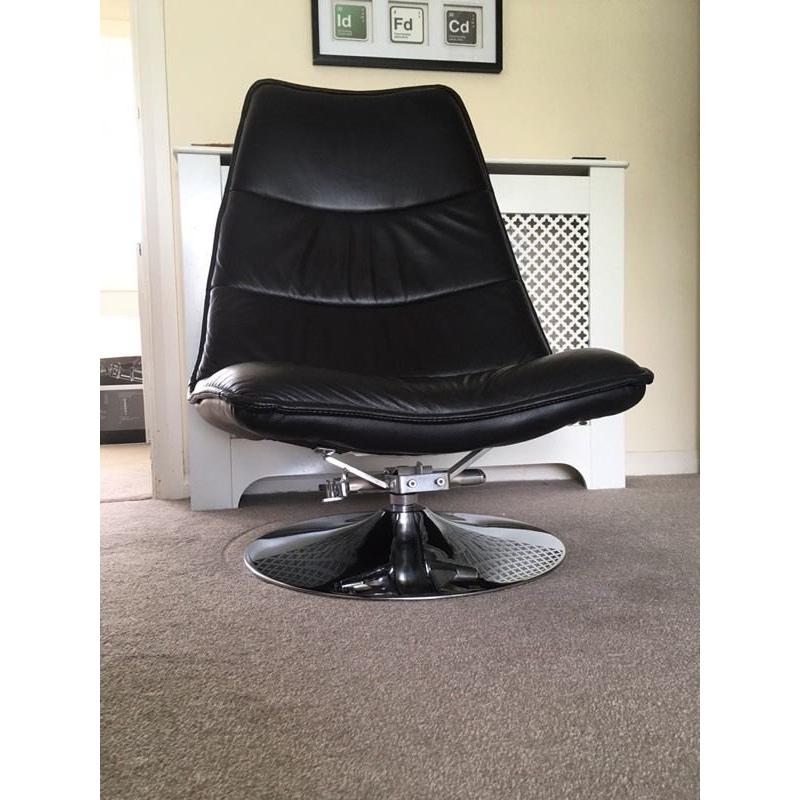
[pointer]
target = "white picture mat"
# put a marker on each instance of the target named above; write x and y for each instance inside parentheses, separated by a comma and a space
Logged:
(435, 48)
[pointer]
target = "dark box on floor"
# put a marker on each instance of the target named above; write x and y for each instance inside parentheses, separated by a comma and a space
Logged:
(121, 401)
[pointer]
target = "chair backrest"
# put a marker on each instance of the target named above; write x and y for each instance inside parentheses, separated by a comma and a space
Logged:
(359, 231)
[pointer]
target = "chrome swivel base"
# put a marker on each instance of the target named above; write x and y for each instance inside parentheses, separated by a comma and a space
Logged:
(403, 552)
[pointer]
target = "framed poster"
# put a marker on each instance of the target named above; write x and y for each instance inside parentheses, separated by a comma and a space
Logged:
(409, 34)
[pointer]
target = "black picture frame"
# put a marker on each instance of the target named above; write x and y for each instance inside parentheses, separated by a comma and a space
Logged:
(328, 60)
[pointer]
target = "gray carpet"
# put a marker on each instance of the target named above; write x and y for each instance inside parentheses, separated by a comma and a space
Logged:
(583, 684)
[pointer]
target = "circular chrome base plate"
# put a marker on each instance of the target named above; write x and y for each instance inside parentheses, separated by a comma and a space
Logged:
(408, 554)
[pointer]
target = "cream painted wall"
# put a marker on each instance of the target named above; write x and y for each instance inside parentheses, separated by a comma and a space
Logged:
(582, 77)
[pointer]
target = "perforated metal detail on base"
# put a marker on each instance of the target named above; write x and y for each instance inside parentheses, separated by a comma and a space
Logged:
(404, 554)
(307, 558)
(552, 252)
(496, 552)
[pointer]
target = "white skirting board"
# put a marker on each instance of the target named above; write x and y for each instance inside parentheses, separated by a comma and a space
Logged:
(662, 462)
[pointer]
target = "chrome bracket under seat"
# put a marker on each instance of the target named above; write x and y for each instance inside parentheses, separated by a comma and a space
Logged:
(401, 482)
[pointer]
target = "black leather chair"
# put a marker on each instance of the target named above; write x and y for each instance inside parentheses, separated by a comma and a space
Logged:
(363, 297)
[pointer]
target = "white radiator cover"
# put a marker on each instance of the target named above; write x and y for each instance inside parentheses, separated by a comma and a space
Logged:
(565, 220)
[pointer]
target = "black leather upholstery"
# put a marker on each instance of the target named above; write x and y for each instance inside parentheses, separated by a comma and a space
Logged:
(363, 294)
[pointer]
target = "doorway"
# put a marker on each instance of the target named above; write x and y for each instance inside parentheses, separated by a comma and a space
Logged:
(124, 443)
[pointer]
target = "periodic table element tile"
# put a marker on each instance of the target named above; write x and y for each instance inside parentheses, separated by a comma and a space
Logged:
(407, 23)
(463, 25)
(352, 21)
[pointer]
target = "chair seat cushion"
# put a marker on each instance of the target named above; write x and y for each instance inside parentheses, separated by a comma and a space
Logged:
(316, 407)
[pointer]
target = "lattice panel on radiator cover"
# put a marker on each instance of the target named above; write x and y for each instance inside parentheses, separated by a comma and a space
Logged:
(552, 252)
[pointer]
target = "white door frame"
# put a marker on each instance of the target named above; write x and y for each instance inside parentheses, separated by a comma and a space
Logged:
(159, 297)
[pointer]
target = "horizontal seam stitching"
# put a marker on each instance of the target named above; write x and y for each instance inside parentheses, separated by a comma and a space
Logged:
(393, 418)
(389, 210)
(369, 304)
